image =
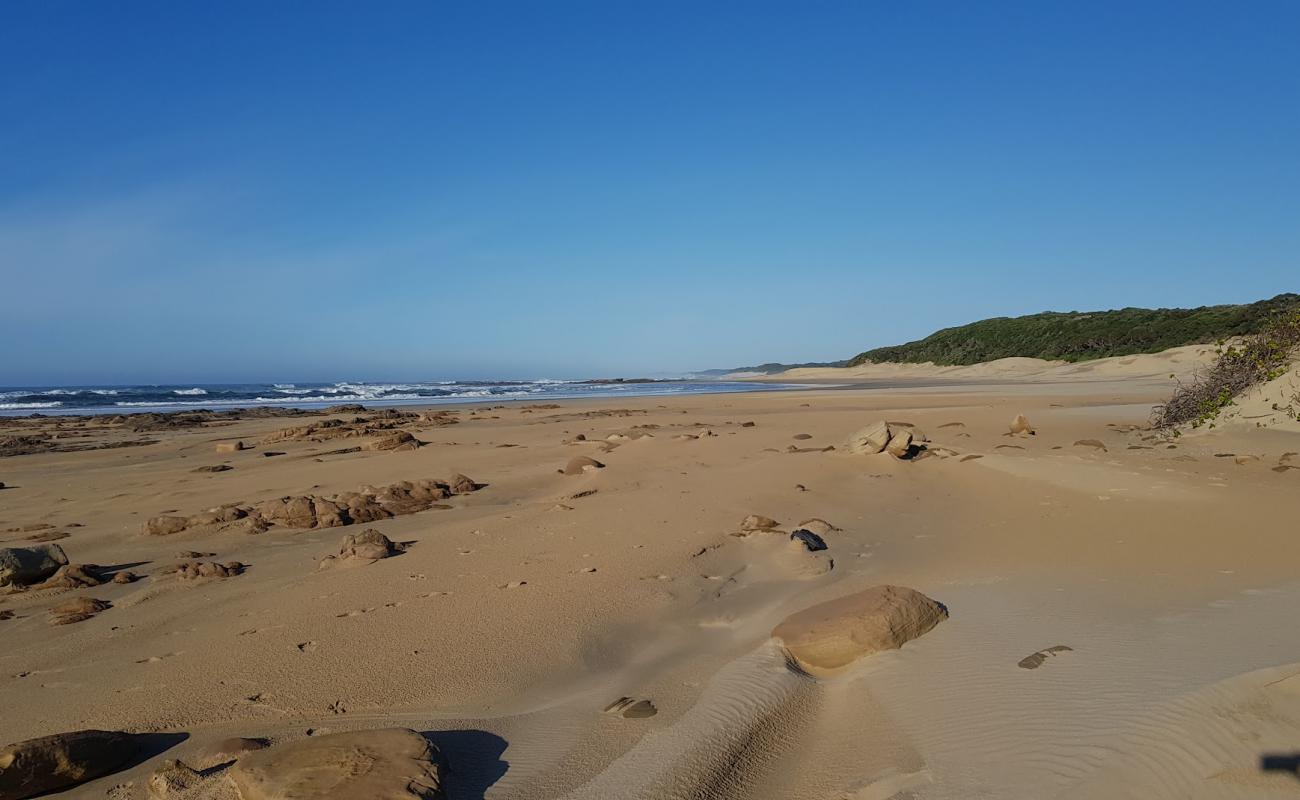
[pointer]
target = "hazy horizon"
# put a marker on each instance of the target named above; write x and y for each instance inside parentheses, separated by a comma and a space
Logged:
(415, 192)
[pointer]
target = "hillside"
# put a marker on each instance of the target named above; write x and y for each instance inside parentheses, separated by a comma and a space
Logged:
(1081, 336)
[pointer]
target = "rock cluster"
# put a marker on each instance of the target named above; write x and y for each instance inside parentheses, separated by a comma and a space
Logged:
(380, 423)
(312, 511)
(900, 441)
(190, 570)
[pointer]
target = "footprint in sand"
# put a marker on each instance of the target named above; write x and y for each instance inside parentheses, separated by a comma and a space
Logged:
(953, 425)
(970, 457)
(1035, 660)
(513, 585)
(1008, 447)
(1096, 444)
(630, 708)
(306, 647)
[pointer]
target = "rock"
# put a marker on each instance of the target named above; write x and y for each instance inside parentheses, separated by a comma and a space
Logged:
(389, 764)
(22, 566)
(77, 610)
(808, 539)
(73, 576)
(747, 424)
(291, 512)
(870, 440)
(399, 440)
(192, 570)
(51, 763)
(836, 633)
(757, 522)
(125, 577)
(173, 778)
(818, 526)
(1020, 426)
(230, 447)
(366, 547)
(460, 484)
(165, 525)
(581, 464)
(900, 444)
(213, 468)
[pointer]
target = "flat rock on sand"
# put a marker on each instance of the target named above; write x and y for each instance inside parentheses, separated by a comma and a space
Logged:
(50, 763)
(388, 764)
(838, 632)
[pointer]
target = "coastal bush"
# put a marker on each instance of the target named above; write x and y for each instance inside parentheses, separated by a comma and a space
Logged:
(1081, 336)
(1239, 366)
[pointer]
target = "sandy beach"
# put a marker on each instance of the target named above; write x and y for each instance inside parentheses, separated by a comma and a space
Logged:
(1120, 604)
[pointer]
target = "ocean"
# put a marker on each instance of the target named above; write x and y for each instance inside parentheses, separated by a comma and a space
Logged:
(24, 400)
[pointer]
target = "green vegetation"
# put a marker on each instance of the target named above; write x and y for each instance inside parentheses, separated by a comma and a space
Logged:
(1080, 336)
(1259, 359)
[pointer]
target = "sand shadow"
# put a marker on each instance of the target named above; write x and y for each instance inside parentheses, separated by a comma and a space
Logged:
(473, 759)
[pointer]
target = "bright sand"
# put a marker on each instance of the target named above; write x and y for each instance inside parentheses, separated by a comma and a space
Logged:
(518, 615)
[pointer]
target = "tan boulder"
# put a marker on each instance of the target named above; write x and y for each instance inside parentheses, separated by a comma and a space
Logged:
(460, 484)
(231, 447)
(73, 576)
(581, 464)
(398, 440)
(50, 763)
(900, 443)
(389, 764)
(836, 633)
(1020, 426)
(870, 440)
(165, 525)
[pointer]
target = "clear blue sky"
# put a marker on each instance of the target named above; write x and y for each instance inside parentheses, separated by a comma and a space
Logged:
(195, 191)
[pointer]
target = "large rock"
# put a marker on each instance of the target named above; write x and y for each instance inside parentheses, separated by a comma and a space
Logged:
(165, 525)
(900, 444)
(870, 440)
(21, 566)
(390, 764)
(836, 633)
(51, 763)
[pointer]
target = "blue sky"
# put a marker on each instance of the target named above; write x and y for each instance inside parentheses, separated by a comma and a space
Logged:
(309, 190)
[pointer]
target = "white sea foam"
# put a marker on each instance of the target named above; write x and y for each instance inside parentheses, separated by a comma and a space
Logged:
(194, 391)
(19, 406)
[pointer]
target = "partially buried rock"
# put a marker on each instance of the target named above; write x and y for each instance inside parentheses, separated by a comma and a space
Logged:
(871, 439)
(366, 547)
(579, 465)
(22, 566)
(73, 576)
(900, 444)
(399, 440)
(213, 468)
(836, 633)
(174, 779)
(51, 763)
(125, 577)
(230, 447)
(192, 570)
(757, 522)
(77, 610)
(389, 764)
(460, 484)
(1020, 426)
(809, 540)
(165, 525)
